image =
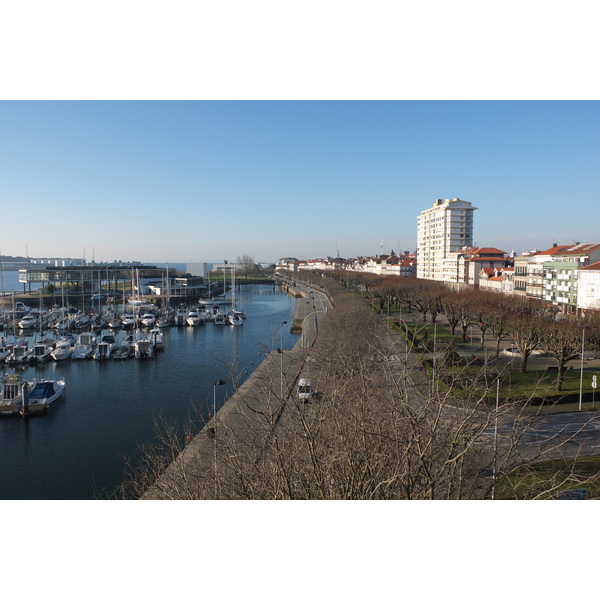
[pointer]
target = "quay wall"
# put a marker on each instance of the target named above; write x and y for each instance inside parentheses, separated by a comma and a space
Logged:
(245, 411)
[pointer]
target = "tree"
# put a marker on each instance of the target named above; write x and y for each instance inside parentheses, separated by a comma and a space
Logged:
(562, 340)
(526, 324)
(247, 264)
(497, 315)
(377, 430)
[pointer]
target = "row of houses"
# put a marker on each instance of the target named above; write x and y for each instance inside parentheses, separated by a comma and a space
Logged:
(403, 265)
(566, 276)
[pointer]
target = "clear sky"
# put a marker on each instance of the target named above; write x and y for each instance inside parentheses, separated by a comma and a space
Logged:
(185, 181)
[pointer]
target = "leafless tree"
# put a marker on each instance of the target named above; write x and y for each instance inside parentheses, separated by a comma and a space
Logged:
(525, 324)
(562, 340)
(380, 427)
(247, 264)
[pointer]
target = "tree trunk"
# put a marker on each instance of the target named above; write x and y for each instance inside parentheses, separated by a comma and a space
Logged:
(561, 373)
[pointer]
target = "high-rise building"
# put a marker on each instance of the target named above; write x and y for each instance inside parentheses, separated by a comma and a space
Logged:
(444, 228)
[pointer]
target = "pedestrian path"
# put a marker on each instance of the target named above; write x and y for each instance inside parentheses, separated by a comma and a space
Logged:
(249, 414)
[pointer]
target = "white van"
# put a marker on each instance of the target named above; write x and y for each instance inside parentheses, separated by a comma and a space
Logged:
(305, 390)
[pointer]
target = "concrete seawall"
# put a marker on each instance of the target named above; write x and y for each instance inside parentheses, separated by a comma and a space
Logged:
(252, 410)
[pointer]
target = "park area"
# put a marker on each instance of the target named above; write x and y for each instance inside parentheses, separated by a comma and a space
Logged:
(462, 366)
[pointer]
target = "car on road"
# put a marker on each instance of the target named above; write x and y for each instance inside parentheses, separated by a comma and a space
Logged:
(510, 352)
(305, 389)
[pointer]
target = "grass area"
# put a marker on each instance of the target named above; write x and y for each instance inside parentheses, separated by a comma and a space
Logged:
(462, 377)
(534, 480)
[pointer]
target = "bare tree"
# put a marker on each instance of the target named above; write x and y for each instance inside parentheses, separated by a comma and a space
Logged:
(562, 340)
(380, 427)
(526, 324)
(247, 264)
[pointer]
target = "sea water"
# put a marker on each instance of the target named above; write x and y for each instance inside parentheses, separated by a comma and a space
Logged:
(78, 448)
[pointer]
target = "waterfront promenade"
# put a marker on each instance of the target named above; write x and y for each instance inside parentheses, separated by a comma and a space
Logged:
(252, 411)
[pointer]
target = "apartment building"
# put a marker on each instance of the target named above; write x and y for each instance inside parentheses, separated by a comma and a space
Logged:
(529, 270)
(588, 288)
(560, 287)
(444, 228)
(463, 268)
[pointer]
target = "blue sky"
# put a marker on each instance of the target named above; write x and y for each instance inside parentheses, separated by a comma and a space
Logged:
(186, 181)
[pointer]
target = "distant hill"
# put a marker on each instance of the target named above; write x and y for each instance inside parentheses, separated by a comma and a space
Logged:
(15, 258)
(14, 262)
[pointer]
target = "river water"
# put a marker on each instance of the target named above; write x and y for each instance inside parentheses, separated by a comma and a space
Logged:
(76, 449)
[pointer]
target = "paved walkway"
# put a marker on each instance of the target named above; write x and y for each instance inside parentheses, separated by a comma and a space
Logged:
(253, 410)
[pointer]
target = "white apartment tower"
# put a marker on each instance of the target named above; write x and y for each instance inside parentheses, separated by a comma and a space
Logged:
(444, 228)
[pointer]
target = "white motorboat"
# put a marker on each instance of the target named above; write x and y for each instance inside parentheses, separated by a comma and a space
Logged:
(157, 339)
(129, 341)
(64, 348)
(43, 393)
(105, 347)
(164, 321)
(42, 351)
(20, 354)
(14, 387)
(204, 313)
(28, 322)
(220, 318)
(143, 347)
(128, 320)
(82, 321)
(121, 352)
(180, 317)
(148, 320)
(86, 344)
(192, 318)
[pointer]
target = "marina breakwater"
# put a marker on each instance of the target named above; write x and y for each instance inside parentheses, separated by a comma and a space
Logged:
(251, 411)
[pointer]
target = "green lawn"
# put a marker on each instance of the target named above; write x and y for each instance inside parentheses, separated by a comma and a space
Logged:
(536, 386)
(532, 480)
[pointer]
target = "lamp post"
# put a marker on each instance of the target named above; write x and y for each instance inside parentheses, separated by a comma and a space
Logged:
(281, 362)
(314, 312)
(581, 369)
(215, 384)
(495, 438)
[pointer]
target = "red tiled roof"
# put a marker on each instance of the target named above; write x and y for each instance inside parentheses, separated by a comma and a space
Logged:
(486, 251)
(485, 259)
(593, 267)
(555, 250)
(582, 249)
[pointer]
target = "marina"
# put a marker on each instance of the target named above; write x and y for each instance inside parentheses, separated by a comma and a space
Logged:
(78, 448)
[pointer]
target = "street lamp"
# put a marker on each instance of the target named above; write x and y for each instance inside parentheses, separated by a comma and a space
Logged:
(281, 363)
(215, 384)
(494, 468)
(581, 369)
(314, 312)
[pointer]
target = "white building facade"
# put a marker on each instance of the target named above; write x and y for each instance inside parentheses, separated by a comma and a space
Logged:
(588, 290)
(444, 228)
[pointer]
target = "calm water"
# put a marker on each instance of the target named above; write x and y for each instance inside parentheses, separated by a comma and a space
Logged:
(76, 449)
